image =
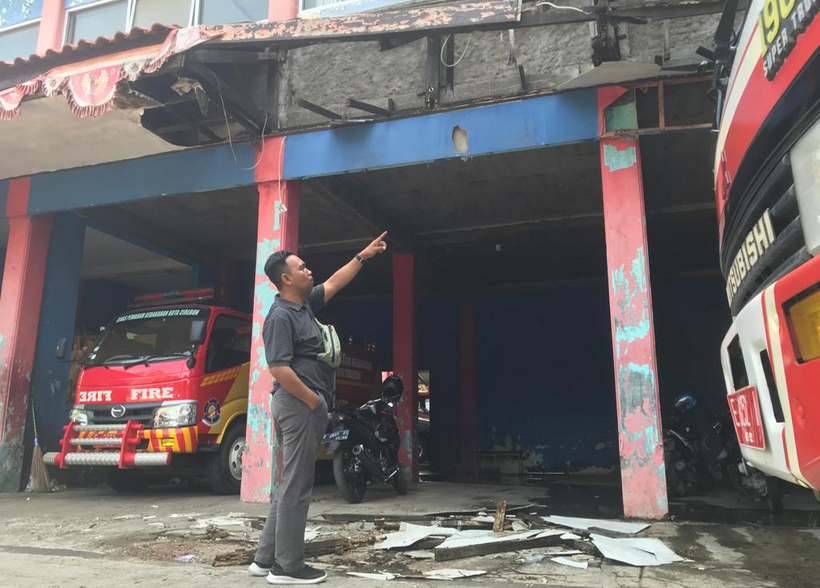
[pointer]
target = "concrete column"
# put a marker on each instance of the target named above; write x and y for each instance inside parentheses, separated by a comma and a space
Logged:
(52, 23)
(57, 317)
(404, 359)
(469, 401)
(640, 438)
(283, 10)
(19, 318)
(278, 228)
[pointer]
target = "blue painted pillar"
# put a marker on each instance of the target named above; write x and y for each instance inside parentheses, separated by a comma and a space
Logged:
(57, 315)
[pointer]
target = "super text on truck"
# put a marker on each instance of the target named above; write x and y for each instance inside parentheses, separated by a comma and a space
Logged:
(164, 392)
(767, 180)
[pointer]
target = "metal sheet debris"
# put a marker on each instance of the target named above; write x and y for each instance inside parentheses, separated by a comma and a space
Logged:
(465, 538)
(419, 554)
(603, 524)
(380, 576)
(409, 534)
(565, 561)
(519, 526)
(452, 574)
(637, 552)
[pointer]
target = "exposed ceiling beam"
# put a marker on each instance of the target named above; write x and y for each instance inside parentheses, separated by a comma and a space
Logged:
(117, 220)
(358, 204)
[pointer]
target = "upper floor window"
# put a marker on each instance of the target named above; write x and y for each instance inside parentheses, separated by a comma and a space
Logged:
(19, 28)
(89, 19)
(222, 11)
(100, 19)
(19, 41)
(339, 7)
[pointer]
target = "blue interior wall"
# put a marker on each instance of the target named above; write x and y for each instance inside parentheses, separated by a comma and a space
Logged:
(57, 316)
(371, 321)
(102, 300)
(545, 379)
(691, 319)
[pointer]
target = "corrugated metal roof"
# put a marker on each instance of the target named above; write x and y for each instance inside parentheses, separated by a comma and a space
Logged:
(69, 53)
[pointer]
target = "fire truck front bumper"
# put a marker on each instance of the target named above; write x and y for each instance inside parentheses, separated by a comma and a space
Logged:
(124, 446)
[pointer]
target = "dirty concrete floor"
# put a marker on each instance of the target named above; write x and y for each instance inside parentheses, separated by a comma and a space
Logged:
(96, 538)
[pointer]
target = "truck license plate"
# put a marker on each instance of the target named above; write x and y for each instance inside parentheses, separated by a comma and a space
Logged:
(746, 416)
(340, 435)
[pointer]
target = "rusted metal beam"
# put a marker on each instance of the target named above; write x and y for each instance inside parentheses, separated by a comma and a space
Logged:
(432, 92)
(393, 25)
(483, 14)
(315, 108)
(377, 110)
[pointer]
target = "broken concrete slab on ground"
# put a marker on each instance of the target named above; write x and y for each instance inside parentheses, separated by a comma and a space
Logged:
(516, 529)
(54, 536)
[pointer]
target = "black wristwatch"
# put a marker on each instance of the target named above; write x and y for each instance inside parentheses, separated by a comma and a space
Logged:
(360, 259)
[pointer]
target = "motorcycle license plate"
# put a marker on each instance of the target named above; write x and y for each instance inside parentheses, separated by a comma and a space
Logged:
(340, 435)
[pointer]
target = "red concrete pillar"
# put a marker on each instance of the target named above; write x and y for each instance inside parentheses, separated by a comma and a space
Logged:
(404, 359)
(640, 437)
(469, 402)
(283, 10)
(20, 302)
(278, 228)
(52, 23)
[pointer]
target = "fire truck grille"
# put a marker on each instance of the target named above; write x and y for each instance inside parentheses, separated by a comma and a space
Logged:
(101, 415)
(775, 194)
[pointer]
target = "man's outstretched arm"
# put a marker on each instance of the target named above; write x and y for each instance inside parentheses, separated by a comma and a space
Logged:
(346, 273)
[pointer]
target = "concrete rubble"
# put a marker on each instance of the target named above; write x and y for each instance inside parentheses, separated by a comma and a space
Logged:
(361, 544)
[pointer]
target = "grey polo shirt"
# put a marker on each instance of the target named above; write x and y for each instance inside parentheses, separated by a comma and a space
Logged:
(292, 338)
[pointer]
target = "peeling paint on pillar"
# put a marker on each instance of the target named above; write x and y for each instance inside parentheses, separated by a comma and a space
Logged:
(20, 302)
(643, 472)
(278, 228)
(404, 359)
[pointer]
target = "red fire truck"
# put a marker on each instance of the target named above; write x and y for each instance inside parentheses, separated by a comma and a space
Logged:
(164, 389)
(767, 180)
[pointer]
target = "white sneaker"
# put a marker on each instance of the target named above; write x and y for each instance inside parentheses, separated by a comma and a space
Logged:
(256, 570)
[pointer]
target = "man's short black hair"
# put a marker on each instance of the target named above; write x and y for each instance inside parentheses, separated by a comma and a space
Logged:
(276, 265)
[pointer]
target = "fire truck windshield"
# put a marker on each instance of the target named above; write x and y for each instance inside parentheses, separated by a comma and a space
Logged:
(146, 336)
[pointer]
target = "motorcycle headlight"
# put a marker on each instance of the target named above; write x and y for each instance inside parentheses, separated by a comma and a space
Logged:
(78, 416)
(177, 415)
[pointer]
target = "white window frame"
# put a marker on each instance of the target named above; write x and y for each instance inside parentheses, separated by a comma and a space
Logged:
(23, 25)
(194, 16)
(339, 7)
(130, 11)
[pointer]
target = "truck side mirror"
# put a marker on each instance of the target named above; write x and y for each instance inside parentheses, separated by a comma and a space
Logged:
(62, 349)
(197, 332)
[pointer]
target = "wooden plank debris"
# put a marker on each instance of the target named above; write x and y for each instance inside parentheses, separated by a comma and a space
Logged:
(472, 547)
(500, 515)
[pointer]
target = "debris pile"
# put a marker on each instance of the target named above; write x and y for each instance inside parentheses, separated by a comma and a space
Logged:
(414, 548)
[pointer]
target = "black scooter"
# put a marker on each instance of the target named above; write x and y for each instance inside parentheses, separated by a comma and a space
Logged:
(365, 444)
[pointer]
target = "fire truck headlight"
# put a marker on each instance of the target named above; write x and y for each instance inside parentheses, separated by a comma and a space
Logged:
(805, 159)
(79, 416)
(177, 415)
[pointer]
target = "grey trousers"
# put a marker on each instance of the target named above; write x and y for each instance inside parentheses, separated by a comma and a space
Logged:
(299, 432)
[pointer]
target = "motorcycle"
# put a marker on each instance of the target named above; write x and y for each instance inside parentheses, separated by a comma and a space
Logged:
(701, 449)
(365, 444)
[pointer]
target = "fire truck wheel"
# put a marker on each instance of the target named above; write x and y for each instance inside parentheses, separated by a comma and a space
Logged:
(127, 480)
(224, 469)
